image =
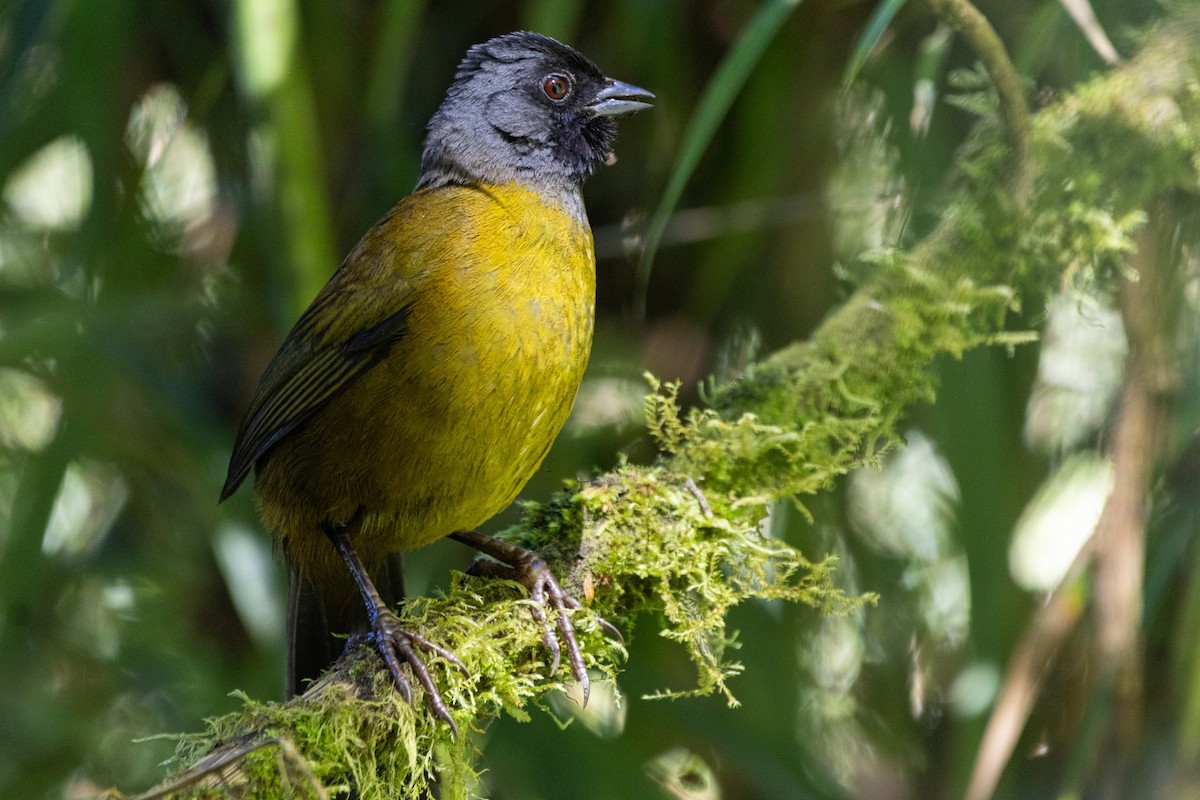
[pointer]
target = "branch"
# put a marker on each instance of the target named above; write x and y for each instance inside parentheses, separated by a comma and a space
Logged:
(1150, 300)
(1031, 658)
(966, 19)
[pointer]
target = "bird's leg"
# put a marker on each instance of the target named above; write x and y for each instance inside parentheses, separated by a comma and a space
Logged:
(527, 568)
(691, 486)
(395, 643)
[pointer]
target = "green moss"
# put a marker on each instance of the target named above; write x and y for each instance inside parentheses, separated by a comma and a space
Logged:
(638, 540)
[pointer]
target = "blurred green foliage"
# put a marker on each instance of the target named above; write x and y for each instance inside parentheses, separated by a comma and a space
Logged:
(178, 177)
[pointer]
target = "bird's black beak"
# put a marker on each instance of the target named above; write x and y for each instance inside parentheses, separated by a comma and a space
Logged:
(617, 99)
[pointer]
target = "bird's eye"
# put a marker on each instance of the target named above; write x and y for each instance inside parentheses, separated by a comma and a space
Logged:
(556, 86)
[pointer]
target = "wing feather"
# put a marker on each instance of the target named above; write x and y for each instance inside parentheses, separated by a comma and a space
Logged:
(312, 366)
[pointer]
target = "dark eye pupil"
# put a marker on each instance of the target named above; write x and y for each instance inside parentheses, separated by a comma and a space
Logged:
(555, 87)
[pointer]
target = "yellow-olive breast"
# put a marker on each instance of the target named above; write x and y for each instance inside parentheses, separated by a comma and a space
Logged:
(493, 288)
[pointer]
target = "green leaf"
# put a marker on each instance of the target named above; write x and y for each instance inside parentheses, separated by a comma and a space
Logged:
(883, 15)
(731, 75)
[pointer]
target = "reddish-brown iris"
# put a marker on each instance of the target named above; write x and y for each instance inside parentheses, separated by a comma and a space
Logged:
(556, 86)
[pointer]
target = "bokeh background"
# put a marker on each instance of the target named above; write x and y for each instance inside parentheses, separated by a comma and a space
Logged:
(178, 177)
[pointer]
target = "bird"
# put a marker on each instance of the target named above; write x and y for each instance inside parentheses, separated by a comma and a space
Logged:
(422, 388)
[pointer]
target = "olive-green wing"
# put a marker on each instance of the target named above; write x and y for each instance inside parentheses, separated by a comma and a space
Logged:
(345, 332)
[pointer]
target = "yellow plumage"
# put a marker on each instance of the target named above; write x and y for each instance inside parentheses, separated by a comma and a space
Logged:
(496, 288)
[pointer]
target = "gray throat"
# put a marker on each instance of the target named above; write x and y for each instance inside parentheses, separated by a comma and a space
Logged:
(566, 194)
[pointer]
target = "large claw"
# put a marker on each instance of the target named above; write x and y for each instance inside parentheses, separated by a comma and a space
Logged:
(528, 568)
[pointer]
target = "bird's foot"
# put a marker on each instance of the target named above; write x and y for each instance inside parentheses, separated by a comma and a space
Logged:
(393, 641)
(397, 644)
(527, 568)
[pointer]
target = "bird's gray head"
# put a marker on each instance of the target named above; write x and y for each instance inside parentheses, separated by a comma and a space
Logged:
(524, 107)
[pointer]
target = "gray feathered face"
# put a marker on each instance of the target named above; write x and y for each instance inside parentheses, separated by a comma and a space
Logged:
(526, 107)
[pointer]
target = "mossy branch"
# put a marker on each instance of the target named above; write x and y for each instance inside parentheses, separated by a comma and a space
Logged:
(965, 18)
(642, 538)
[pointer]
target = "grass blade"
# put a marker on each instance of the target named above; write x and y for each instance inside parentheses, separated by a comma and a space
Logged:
(731, 75)
(883, 15)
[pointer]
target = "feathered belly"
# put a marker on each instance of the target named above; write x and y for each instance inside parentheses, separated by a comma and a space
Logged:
(472, 413)
(445, 431)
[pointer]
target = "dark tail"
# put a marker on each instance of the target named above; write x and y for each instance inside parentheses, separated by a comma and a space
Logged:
(312, 646)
